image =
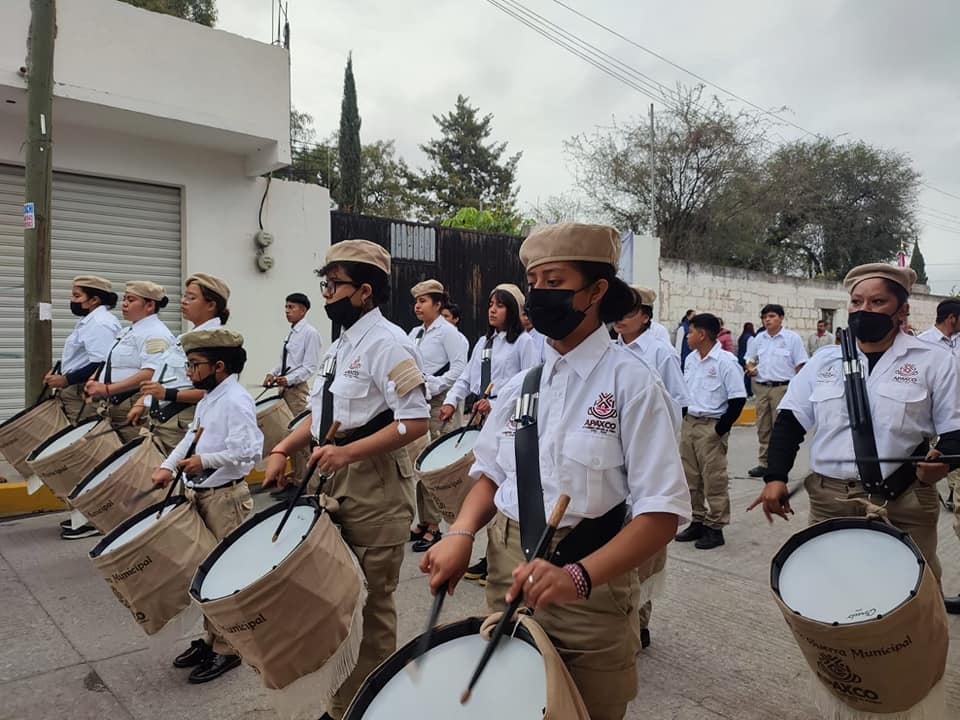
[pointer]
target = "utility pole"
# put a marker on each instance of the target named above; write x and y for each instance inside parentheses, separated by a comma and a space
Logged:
(653, 175)
(38, 321)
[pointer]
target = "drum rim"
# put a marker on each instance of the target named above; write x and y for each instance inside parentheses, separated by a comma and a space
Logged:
(297, 420)
(57, 435)
(279, 396)
(98, 549)
(439, 440)
(379, 677)
(204, 567)
(844, 523)
(122, 450)
(23, 412)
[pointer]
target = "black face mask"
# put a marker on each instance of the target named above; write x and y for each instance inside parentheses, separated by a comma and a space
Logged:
(870, 327)
(207, 384)
(78, 309)
(343, 312)
(552, 312)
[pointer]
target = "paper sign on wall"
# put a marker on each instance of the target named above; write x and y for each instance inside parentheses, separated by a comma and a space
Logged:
(29, 217)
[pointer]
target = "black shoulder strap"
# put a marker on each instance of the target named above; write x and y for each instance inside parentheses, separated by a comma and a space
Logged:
(527, 448)
(329, 371)
(485, 355)
(858, 409)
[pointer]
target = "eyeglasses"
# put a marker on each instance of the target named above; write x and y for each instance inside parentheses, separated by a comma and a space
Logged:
(329, 287)
(193, 366)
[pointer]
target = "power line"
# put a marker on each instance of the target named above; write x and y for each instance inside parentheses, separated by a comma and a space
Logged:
(955, 231)
(934, 211)
(942, 192)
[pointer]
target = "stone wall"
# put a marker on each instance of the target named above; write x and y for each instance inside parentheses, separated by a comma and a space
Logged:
(737, 296)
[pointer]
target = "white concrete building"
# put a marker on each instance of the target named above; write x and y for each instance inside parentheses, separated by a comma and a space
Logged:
(163, 130)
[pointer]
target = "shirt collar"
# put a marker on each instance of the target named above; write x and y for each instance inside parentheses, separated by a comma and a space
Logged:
(583, 358)
(149, 319)
(435, 325)
(361, 327)
(210, 324)
(300, 325)
(221, 389)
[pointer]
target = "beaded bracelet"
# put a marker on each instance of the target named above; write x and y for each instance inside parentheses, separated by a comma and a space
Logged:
(465, 533)
(581, 579)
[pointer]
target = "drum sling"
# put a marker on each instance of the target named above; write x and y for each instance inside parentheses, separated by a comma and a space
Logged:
(446, 366)
(108, 376)
(486, 356)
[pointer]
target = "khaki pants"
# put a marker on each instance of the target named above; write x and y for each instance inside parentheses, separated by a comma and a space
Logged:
(704, 456)
(222, 510)
(73, 404)
(915, 511)
(768, 398)
(117, 414)
(295, 396)
(170, 433)
(598, 639)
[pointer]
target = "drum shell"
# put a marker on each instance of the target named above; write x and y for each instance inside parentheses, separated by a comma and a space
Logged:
(885, 665)
(151, 574)
(124, 492)
(273, 422)
(448, 485)
(62, 470)
(292, 620)
(20, 434)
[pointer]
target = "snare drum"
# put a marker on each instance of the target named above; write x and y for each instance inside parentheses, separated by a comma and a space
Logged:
(148, 563)
(525, 678)
(443, 467)
(292, 609)
(28, 428)
(117, 487)
(273, 419)
(64, 459)
(868, 616)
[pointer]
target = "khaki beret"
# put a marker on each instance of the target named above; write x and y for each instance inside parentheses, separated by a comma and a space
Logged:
(93, 281)
(427, 287)
(904, 277)
(512, 290)
(361, 251)
(571, 242)
(207, 339)
(210, 282)
(146, 289)
(647, 296)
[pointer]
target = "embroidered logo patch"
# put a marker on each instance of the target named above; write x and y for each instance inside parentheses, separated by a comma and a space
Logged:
(828, 375)
(603, 415)
(907, 373)
(712, 372)
(353, 369)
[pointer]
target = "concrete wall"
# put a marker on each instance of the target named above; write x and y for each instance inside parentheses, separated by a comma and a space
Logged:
(737, 296)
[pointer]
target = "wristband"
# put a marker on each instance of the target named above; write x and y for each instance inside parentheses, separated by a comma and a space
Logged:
(465, 533)
(581, 579)
(170, 394)
(277, 452)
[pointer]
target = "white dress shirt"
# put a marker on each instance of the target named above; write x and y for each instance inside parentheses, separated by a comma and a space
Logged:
(539, 340)
(90, 341)
(175, 360)
(366, 354)
(607, 433)
(506, 361)
(140, 346)
(440, 344)
(913, 396)
(778, 355)
(937, 338)
(659, 332)
(303, 354)
(231, 443)
(661, 357)
(712, 381)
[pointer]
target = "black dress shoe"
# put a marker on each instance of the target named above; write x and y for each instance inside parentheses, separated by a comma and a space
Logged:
(193, 655)
(418, 533)
(84, 531)
(952, 604)
(422, 545)
(693, 531)
(213, 667)
(711, 538)
(477, 571)
(759, 471)
(644, 638)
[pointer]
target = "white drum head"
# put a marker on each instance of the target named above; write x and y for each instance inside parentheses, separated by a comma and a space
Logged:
(513, 685)
(114, 465)
(446, 452)
(66, 440)
(848, 576)
(268, 404)
(252, 555)
(138, 529)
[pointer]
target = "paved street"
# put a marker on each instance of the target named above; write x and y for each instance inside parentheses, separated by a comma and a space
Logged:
(720, 646)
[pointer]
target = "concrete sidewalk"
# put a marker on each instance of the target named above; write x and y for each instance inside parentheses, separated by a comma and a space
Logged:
(720, 648)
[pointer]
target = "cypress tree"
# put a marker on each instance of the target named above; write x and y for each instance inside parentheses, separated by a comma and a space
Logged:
(918, 265)
(349, 145)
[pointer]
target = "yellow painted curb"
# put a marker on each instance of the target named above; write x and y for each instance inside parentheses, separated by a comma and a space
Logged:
(748, 416)
(15, 501)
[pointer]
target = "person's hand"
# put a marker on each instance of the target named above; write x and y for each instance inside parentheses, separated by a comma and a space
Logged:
(136, 414)
(282, 381)
(330, 458)
(930, 473)
(154, 389)
(95, 389)
(269, 380)
(446, 412)
(774, 499)
(192, 465)
(447, 561)
(551, 585)
(57, 382)
(275, 471)
(481, 407)
(161, 477)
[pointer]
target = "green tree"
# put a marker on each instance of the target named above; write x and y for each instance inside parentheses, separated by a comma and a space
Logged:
(470, 218)
(203, 12)
(465, 169)
(385, 188)
(350, 151)
(919, 265)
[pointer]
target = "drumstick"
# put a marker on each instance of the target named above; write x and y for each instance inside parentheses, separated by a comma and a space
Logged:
(334, 426)
(541, 550)
(424, 643)
(265, 388)
(485, 396)
(190, 451)
(54, 371)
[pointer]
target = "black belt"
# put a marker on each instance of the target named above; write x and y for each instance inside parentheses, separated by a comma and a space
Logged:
(701, 417)
(590, 535)
(375, 425)
(773, 383)
(229, 483)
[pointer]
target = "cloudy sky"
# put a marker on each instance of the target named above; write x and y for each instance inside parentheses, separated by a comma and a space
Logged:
(883, 71)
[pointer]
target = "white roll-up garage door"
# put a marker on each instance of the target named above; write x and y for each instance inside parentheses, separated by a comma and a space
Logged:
(119, 230)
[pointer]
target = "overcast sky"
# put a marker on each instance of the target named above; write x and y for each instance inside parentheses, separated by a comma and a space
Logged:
(883, 71)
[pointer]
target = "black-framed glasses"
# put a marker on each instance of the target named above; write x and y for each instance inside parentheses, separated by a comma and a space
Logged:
(192, 366)
(329, 287)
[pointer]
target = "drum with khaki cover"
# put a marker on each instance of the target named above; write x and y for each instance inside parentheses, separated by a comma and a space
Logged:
(64, 459)
(273, 419)
(149, 562)
(444, 466)
(120, 486)
(20, 434)
(867, 613)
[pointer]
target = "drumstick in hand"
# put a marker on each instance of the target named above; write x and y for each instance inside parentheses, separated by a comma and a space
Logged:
(424, 643)
(190, 451)
(473, 415)
(541, 550)
(334, 426)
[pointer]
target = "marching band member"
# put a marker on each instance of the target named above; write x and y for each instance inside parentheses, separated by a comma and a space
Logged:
(913, 396)
(601, 417)
(88, 344)
(228, 449)
(443, 350)
(374, 387)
